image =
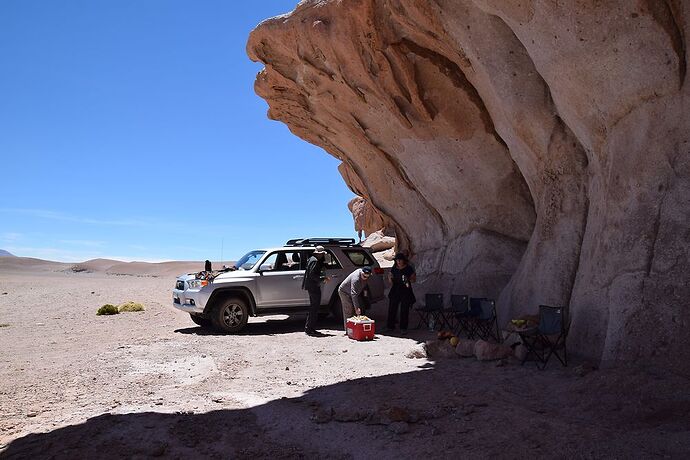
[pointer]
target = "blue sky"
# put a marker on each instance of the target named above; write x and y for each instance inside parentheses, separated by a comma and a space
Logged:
(130, 129)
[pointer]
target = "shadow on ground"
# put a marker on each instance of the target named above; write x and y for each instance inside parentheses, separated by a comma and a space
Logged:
(269, 326)
(461, 408)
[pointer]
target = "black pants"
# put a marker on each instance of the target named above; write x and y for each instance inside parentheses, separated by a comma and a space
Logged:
(405, 305)
(314, 305)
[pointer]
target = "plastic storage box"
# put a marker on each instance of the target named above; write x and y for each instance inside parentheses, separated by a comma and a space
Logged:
(361, 329)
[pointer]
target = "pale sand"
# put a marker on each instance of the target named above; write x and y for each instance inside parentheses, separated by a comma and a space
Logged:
(77, 385)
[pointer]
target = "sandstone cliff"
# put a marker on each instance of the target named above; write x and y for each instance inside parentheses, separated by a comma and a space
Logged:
(530, 151)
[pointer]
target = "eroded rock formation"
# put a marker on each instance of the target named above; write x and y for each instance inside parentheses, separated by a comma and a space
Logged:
(366, 217)
(530, 151)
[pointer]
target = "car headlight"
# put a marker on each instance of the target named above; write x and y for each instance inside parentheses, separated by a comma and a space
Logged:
(197, 284)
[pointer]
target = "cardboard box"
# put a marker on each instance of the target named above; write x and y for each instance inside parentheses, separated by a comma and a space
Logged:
(359, 329)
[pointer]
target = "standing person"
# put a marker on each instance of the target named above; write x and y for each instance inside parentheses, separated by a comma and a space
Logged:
(401, 276)
(314, 276)
(350, 292)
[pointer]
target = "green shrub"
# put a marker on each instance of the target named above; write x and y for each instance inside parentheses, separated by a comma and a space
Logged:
(131, 306)
(108, 309)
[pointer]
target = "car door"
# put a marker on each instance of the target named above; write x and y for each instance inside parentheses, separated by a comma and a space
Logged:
(334, 270)
(279, 283)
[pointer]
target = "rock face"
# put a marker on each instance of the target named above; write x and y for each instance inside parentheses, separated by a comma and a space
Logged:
(530, 151)
(366, 217)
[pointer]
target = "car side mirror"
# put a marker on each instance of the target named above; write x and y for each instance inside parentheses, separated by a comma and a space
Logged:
(266, 268)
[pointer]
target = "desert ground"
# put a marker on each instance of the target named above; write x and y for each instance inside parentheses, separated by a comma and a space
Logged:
(153, 384)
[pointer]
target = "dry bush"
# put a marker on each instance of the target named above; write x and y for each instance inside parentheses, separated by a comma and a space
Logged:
(107, 309)
(131, 306)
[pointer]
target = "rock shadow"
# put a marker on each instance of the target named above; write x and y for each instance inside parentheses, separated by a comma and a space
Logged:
(460, 407)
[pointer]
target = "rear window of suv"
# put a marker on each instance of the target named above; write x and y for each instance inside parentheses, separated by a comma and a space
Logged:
(358, 257)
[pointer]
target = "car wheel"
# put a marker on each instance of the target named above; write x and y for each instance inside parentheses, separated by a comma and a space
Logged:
(200, 320)
(230, 315)
(337, 309)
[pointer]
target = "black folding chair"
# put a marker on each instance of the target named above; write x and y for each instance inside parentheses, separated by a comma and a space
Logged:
(467, 318)
(486, 322)
(459, 305)
(549, 337)
(431, 313)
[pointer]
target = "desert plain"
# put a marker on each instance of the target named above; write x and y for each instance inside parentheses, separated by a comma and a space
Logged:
(153, 384)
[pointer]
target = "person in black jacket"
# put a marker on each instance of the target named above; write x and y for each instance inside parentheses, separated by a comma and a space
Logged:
(401, 276)
(314, 276)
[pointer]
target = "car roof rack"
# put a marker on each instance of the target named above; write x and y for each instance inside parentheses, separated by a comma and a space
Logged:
(322, 242)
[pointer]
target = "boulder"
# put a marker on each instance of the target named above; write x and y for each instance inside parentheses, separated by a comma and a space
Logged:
(439, 349)
(488, 351)
(378, 242)
(465, 348)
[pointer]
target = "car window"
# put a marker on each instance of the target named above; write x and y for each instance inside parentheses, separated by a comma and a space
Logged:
(248, 260)
(330, 261)
(269, 264)
(281, 261)
(358, 257)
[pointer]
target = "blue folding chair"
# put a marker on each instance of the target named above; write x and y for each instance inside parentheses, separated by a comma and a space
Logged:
(549, 337)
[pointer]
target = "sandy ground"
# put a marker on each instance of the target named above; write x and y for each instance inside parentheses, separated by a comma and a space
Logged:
(149, 384)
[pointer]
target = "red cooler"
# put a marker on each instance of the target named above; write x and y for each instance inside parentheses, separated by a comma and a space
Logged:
(361, 329)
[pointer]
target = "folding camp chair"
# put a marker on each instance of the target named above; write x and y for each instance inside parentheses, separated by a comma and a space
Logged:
(431, 313)
(486, 322)
(459, 305)
(467, 317)
(549, 337)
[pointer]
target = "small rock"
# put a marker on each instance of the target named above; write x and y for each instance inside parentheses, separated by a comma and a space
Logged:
(289, 383)
(287, 368)
(583, 369)
(344, 351)
(203, 356)
(399, 427)
(520, 352)
(32, 414)
(4, 293)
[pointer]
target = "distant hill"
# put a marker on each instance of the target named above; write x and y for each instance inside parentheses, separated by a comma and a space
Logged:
(4, 253)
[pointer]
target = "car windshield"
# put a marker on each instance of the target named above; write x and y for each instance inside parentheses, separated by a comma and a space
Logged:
(249, 260)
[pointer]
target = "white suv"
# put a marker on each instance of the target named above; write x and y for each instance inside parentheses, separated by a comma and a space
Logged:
(269, 281)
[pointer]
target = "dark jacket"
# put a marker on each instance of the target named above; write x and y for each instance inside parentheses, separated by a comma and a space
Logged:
(314, 274)
(402, 290)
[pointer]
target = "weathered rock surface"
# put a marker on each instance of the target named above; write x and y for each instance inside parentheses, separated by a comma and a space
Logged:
(366, 217)
(378, 242)
(488, 351)
(530, 151)
(465, 348)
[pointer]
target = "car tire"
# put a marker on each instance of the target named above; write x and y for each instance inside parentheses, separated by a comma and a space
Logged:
(230, 315)
(201, 321)
(337, 308)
